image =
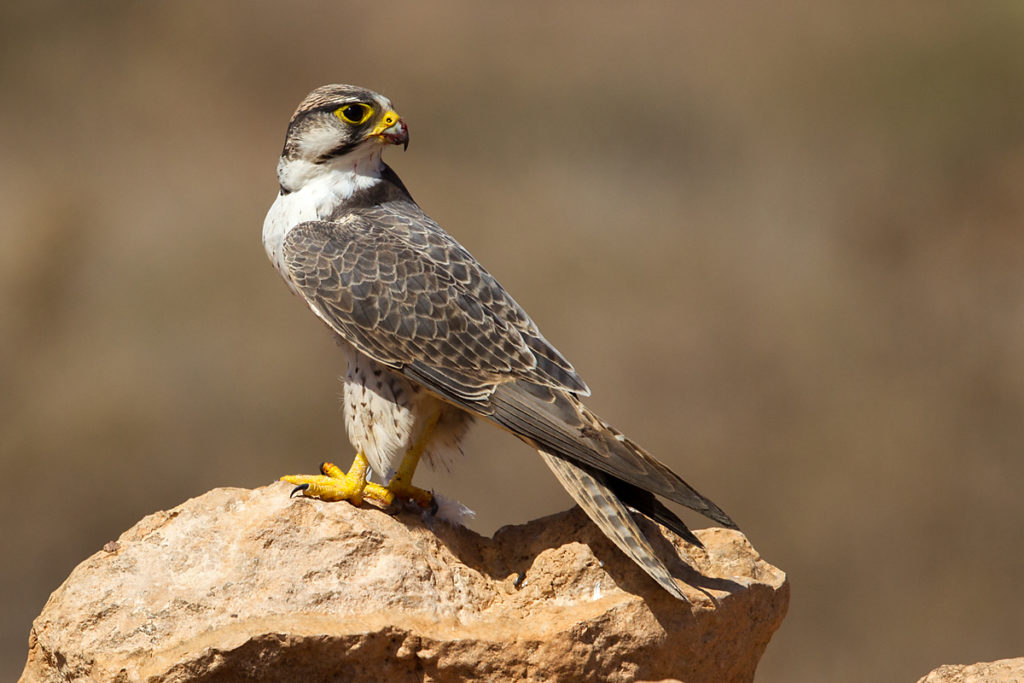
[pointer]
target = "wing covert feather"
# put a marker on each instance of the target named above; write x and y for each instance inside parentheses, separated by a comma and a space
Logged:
(402, 291)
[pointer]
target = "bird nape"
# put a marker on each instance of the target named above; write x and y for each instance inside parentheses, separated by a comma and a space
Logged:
(431, 339)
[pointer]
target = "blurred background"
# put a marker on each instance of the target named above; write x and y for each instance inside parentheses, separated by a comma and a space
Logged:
(782, 243)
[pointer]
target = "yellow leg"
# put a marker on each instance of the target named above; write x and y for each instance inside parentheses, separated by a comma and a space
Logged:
(401, 484)
(334, 484)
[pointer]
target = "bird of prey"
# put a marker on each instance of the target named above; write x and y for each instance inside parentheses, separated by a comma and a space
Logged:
(432, 340)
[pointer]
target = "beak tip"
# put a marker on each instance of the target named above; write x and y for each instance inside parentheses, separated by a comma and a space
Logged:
(395, 134)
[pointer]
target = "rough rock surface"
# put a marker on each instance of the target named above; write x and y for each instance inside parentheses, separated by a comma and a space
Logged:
(1001, 671)
(251, 584)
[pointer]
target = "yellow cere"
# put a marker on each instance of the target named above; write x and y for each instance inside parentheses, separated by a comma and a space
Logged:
(389, 119)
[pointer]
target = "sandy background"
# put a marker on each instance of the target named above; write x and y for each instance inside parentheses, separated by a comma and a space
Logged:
(783, 245)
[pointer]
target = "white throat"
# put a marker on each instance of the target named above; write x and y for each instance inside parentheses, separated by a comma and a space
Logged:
(312, 192)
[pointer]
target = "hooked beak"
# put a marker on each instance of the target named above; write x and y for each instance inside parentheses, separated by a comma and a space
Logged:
(391, 130)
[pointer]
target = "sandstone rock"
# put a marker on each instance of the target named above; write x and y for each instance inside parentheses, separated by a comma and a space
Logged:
(239, 584)
(1002, 671)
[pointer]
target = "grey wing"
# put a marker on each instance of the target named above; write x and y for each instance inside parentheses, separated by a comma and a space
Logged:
(557, 422)
(402, 291)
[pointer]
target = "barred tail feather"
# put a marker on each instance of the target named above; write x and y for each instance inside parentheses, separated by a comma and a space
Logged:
(557, 421)
(613, 518)
(684, 494)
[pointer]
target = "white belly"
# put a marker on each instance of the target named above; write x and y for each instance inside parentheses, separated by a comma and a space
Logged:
(380, 413)
(386, 415)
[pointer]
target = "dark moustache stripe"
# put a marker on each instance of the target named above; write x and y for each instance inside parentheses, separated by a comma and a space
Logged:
(338, 151)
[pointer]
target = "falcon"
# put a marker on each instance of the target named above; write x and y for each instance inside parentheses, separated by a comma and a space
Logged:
(431, 339)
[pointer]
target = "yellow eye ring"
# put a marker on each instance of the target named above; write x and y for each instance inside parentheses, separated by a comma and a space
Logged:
(354, 114)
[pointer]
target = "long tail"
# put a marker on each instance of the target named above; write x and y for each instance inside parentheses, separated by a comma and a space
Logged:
(613, 518)
(558, 423)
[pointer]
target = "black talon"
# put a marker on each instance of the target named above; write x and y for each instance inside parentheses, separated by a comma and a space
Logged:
(300, 487)
(323, 467)
(433, 505)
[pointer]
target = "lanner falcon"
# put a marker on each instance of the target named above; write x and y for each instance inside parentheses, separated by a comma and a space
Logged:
(432, 340)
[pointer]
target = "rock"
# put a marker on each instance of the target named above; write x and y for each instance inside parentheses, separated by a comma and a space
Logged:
(245, 584)
(1003, 670)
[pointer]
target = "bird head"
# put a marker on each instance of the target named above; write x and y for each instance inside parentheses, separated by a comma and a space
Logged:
(339, 122)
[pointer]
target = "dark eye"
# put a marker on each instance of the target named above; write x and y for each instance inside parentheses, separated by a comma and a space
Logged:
(354, 113)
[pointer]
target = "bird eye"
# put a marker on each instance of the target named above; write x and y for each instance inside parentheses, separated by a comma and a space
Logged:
(354, 113)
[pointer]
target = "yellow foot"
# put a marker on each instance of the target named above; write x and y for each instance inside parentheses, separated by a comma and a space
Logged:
(334, 484)
(405, 491)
